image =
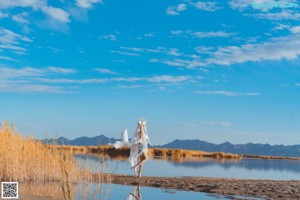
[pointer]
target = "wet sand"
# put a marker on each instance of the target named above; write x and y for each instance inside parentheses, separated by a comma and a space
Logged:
(269, 189)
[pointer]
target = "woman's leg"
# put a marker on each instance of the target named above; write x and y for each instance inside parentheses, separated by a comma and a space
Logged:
(143, 159)
(140, 171)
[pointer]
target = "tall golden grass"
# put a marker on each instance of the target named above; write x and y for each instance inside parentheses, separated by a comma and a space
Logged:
(25, 159)
(152, 152)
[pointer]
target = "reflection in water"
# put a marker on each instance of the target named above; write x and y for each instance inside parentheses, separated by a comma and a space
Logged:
(247, 163)
(47, 190)
(208, 167)
(135, 194)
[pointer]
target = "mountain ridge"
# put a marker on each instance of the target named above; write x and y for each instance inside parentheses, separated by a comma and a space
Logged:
(196, 144)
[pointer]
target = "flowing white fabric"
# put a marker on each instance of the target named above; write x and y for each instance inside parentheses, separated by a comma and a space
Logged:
(138, 145)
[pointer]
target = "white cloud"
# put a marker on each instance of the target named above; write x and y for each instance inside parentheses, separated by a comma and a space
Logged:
(10, 40)
(21, 18)
(154, 79)
(216, 123)
(23, 80)
(181, 7)
(109, 37)
(6, 72)
(173, 52)
(125, 53)
(207, 6)
(280, 27)
(7, 58)
(169, 79)
(277, 16)
(277, 48)
(198, 34)
(295, 29)
(297, 84)
(3, 15)
(105, 71)
(162, 50)
(181, 62)
(150, 34)
(204, 50)
(29, 88)
(175, 10)
(212, 34)
(60, 70)
(262, 5)
(130, 86)
(87, 3)
(4, 4)
(226, 93)
(138, 49)
(56, 14)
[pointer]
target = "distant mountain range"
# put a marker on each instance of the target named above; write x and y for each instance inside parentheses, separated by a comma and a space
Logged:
(84, 141)
(249, 148)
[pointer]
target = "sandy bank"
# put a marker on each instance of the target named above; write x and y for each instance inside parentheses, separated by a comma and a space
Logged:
(269, 189)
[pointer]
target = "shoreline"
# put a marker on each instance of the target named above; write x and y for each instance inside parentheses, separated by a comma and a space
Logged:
(260, 188)
(106, 150)
(227, 187)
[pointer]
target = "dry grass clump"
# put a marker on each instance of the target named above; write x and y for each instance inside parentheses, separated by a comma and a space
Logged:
(24, 159)
(152, 152)
(27, 159)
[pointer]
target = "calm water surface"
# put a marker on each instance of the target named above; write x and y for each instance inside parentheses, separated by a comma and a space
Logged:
(122, 192)
(244, 168)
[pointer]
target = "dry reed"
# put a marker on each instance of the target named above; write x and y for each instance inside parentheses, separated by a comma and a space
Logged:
(24, 159)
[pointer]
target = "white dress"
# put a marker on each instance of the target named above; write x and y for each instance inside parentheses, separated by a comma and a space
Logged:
(137, 145)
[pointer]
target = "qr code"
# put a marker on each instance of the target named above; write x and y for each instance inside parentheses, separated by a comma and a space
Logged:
(10, 190)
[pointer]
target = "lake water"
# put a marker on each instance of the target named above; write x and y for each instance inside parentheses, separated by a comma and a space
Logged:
(112, 192)
(203, 167)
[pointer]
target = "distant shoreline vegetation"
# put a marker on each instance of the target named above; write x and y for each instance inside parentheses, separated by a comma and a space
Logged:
(275, 5)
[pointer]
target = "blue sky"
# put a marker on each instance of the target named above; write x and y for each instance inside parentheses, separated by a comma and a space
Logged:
(210, 70)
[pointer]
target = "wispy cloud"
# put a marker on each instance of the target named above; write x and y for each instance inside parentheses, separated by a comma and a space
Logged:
(297, 84)
(105, 71)
(60, 70)
(57, 14)
(277, 16)
(130, 86)
(175, 10)
(208, 123)
(154, 79)
(207, 6)
(227, 93)
(29, 88)
(54, 13)
(6, 72)
(146, 35)
(274, 49)
(199, 34)
(87, 4)
(216, 123)
(181, 62)
(200, 5)
(109, 37)
(262, 5)
(21, 18)
(3, 15)
(10, 40)
(8, 58)
(125, 53)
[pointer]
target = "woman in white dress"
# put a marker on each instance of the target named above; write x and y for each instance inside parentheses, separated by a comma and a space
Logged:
(138, 146)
